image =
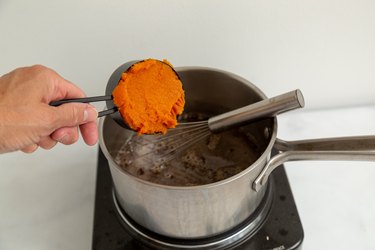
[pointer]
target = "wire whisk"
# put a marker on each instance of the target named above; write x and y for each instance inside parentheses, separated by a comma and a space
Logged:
(156, 150)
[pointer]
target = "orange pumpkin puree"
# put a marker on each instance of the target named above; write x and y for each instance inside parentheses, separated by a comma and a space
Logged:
(149, 96)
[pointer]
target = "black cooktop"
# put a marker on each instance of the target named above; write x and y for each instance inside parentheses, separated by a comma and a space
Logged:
(282, 229)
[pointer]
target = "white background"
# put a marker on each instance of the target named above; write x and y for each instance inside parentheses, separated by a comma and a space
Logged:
(325, 48)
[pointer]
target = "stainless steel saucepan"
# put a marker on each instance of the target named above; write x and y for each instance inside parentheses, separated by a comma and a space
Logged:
(192, 212)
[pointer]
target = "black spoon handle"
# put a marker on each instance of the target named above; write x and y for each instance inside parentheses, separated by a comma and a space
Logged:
(83, 100)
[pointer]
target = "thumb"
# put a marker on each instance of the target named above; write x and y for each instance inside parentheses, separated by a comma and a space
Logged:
(74, 114)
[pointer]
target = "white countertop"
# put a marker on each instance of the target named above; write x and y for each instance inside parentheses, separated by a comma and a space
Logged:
(47, 198)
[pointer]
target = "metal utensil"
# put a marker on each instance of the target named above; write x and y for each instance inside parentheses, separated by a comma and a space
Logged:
(159, 149)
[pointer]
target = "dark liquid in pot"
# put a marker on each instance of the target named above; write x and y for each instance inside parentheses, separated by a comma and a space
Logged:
(212, 159)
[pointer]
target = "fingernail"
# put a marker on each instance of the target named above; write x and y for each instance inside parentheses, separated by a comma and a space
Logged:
(90, 114)
(64, 139)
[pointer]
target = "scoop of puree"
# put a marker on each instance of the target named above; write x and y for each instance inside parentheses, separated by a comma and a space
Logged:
(149, 97)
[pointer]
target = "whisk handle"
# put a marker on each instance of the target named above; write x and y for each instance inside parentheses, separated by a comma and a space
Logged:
(262, 109)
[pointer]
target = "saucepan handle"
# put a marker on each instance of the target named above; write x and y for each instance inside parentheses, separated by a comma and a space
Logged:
(358, 148)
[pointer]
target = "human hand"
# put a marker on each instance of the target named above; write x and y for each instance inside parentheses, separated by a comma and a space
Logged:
(28, 121)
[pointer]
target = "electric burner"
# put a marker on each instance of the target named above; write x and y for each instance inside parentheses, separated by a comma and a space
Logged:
(274, 225)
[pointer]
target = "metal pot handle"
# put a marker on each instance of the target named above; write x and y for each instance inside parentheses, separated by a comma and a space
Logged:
(358, 148)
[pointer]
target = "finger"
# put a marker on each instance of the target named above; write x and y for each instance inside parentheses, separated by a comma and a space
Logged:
(30, 149)
(47, 142)
(89, 133)
(66, 90)
(56, 86)
(63, 89)
(74, 114)
(66, 135)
